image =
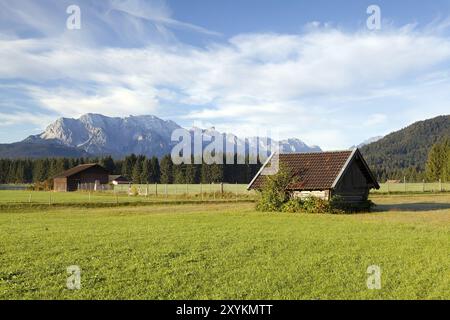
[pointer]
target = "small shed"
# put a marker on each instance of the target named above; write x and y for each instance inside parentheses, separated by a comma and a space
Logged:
(87, 176)
(118, 179)
(324, 175)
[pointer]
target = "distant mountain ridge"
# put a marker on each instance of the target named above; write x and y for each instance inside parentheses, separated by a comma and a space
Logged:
(368, 141)
(98, 135)
(101, 135)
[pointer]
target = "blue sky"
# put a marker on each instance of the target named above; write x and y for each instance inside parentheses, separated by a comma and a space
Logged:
(305, 69)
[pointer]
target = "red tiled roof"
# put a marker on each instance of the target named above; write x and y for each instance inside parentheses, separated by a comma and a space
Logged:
(314, 171)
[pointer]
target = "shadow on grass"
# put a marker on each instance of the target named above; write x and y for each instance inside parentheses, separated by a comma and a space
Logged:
(421, 206)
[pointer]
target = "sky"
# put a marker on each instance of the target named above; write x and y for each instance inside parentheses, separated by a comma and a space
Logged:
(312, 70)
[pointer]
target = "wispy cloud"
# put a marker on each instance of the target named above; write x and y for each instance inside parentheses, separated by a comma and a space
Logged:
(313, 85)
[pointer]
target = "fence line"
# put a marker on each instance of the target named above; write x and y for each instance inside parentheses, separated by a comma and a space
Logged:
(182, 189)
(417, 187)
(140, 193)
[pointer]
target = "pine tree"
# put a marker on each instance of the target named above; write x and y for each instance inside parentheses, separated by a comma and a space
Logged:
(447, 167)
(204, 174)
(437, 163)
(19, 176)
(128, 165)
(191, 174)
(166, 169)
(146, 169)
(216, 173)
(179, 173)
(137, 171)
(155, 173)
(445, 175)
(108, 164)
(3, 170)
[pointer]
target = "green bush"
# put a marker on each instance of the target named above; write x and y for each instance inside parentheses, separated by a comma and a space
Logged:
(316, 205)
(294, 205)
(275, 191)
(308, 205)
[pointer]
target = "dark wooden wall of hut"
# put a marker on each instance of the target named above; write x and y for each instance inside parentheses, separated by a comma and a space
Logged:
(353, 186)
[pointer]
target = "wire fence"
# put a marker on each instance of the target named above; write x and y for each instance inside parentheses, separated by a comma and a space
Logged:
(182, 189)
(132, 193)
(405, 187)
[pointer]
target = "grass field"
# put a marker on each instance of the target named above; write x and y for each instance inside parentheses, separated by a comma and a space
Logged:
(229, 251)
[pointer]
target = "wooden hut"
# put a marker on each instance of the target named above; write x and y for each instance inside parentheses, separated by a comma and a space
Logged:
(85, 176)
(324, 175)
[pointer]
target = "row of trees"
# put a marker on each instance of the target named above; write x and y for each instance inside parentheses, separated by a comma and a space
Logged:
(137, 168)
(438, 163)
(412, 174)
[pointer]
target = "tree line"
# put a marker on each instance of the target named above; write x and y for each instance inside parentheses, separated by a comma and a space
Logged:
(437, 166)
(142, 169)
(137, 168)
(438, 163)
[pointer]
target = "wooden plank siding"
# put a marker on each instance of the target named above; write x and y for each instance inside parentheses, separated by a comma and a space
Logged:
(83, 174)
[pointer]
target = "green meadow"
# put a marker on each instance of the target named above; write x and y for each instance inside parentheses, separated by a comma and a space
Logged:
(226, 251)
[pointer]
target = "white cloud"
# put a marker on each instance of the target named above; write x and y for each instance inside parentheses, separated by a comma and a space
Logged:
(375, 119)
(312, 85)
(37, 119)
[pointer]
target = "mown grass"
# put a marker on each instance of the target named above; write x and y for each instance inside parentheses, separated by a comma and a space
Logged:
(227, 251)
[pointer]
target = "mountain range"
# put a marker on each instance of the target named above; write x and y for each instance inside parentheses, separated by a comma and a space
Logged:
(97, 135)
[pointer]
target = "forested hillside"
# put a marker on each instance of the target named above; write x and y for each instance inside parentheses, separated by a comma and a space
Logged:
(405, 152)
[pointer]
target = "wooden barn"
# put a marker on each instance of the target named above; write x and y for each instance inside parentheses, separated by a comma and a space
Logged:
(324, 175)
(84, 175)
